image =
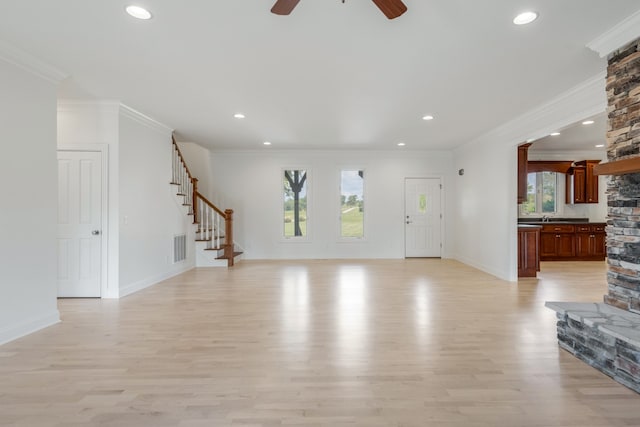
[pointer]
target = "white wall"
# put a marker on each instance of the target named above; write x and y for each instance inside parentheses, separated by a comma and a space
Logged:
(143, 213)
(250, 183)
(28, 219)
(150, 214)
(198, 161)
(485, 212)
(92, 126)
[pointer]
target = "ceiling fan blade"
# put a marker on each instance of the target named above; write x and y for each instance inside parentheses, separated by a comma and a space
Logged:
(284, 7)
(391, 8)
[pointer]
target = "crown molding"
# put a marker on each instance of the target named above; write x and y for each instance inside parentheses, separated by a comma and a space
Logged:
(74, 104)
(617, 36)
(584, 100)
(137, 116)
(30, 63)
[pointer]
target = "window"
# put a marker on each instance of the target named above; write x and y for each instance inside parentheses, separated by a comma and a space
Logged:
(541, 193)
(352, 203)
(295, 203)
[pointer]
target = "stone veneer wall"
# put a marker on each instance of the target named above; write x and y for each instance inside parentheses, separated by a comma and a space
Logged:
(623, 141)
(607, 336)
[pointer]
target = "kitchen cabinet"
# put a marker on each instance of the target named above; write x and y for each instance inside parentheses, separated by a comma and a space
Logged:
(569, 242)
(557, 241)
(528, 250)
(591, 241)
(523, 158)
(582, 183)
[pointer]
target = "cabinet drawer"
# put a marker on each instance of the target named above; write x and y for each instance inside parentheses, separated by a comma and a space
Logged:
(598, 228)
(585, 228)
(558, 228)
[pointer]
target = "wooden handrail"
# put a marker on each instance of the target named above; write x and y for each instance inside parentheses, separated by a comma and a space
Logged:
(211, 205)
(175, 144)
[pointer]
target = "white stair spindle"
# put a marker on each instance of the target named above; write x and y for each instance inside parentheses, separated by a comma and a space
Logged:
(173, 163)
(206, 230)
(217, 230)
(201, 218)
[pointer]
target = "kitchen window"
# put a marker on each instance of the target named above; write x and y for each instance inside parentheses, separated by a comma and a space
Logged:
(541, 193)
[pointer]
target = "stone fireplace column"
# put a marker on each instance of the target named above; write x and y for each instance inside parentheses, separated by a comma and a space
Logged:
(623, 191)
(607, 336)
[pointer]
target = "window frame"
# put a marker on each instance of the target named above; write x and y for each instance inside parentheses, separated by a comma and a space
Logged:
(352, 239)
(308, 194)
(539, 189)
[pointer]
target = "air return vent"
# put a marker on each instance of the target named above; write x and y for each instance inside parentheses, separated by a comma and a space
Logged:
(179, 248)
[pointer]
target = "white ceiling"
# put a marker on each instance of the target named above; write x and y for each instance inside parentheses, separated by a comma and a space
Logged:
(328, 76)
(576, 137)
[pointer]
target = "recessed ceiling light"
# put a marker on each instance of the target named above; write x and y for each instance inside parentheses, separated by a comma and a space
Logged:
(599, 145)
(238, 116)
(266, 143)
(525, 18)
(138, 12)
(401, 144)
(427, 117)
(588, 122)
(555, 134)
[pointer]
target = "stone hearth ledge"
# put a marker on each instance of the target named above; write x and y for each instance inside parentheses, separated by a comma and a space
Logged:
(610, 320)
(605, 337)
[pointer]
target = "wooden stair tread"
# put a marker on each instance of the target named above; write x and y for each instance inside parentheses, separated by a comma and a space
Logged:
(235, 254)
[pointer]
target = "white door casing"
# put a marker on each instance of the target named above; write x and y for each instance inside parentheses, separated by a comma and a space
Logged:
(79, 223)
(423, 217)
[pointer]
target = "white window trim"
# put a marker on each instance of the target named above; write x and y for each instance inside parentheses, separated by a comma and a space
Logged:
(346, 239)
(308, 184)
(558, 206)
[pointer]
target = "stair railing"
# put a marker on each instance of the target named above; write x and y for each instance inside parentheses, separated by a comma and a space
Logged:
(214, 225)
(216, 228)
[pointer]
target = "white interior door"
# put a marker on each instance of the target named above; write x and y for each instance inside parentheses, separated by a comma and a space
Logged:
(79, 223)
(423, 217)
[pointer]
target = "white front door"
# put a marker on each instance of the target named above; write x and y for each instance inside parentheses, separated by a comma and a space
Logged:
(79, 223)
(422, 217)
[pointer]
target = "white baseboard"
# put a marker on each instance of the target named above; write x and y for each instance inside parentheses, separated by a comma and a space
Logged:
(143, 284)
(27, 327)
(503, 275)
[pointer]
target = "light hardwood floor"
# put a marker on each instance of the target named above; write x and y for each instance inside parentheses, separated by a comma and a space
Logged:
(317, 343)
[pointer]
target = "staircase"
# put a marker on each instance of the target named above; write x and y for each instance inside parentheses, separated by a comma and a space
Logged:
(214, 227)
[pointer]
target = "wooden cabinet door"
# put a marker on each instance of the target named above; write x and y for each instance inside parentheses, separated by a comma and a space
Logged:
(599, 244)
(591, 183)
(522, 172)
(565, 245)
(579, 185)
(528, 255)
(591, 245)
(548, 245)
(584, 244)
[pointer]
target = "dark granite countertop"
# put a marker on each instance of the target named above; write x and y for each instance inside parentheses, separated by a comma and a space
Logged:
(558, 220)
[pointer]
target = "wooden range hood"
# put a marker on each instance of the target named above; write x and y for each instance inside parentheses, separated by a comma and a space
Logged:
(618, 167)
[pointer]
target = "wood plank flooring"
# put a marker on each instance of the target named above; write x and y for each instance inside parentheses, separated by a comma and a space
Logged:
(419, 342)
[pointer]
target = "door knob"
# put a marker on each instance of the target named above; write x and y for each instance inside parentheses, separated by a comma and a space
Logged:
(95, 232)
(409, 222)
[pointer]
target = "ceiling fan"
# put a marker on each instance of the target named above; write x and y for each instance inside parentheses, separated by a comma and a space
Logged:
(391, 8)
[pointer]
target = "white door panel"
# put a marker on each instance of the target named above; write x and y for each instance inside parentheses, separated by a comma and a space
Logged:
(423, 217)
(79, 223)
